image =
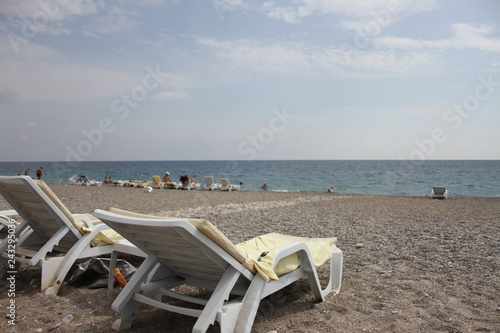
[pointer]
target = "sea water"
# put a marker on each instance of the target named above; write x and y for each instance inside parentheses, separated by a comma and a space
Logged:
(476, 178)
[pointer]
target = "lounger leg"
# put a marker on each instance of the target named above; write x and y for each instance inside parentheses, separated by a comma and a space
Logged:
(250, 305)
(336, 270)
(111, 275)
(127, 316)
(216, 301)
(79, 250)
(307, 265)
(124, 302)
(228, 317)
(335, 275)
(49, 270)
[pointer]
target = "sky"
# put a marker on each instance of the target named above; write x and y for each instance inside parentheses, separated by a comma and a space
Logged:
(91, 80)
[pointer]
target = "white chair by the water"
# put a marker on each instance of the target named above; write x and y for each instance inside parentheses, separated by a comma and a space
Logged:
(439, 192)
(225, 185)
(210, 184)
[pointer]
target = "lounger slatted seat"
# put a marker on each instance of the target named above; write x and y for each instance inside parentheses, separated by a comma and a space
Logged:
(195, 253)
(49, 235)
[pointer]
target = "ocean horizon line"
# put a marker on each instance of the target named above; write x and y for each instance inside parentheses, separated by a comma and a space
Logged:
(256, 160)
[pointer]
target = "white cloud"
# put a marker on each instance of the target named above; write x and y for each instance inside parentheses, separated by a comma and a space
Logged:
(294, 11)
(302, 59)
(273, 57)
(42, 12)
(288, 14)
(30, 18)
(465, 36)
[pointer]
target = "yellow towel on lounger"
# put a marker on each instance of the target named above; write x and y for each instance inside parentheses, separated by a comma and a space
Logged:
(254, 248)
(105, 237)
(83, 222)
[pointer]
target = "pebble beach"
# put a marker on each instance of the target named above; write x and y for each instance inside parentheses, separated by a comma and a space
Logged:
(411, 264)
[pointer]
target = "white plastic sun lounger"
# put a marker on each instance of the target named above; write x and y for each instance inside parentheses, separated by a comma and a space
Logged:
(225, 185)
(439, 192)
(210, 184)
(195, 253)
(49, 235)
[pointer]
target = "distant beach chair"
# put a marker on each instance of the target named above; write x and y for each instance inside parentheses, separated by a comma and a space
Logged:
(439, 192)
(189, 185)
(225, 185)
(83, 180)
(49, 235)
(171, 185)
(185, 186)
(157, 182)
(194, 252)
(210, 184)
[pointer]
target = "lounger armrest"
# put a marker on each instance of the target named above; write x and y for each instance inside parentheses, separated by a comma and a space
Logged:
(295, 247)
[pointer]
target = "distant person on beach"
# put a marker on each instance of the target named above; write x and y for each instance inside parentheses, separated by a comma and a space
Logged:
(166, 178)
(264, 186)
(331, 189)
(27, 171)
(195, 182)
(185, 180)
(39, 173)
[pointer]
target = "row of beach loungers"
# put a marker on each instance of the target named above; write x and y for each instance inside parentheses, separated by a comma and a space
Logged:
(156, 182)
(40, 231)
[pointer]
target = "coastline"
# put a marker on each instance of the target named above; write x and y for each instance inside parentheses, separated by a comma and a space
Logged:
(469, 178)
(411, 264)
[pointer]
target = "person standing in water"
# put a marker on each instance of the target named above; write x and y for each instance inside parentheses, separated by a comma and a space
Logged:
(39, 173)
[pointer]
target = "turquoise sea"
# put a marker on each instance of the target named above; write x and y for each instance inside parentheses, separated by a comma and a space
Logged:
(470, 178)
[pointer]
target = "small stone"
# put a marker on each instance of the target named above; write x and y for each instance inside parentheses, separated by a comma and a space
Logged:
(360, 245)
(68, 318)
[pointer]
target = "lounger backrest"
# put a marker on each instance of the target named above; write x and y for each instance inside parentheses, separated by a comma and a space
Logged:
(439, 190)
(207, 228)
(37, 204)
(194, 249)
(224, 182)
(156, 180)
(209, 180)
